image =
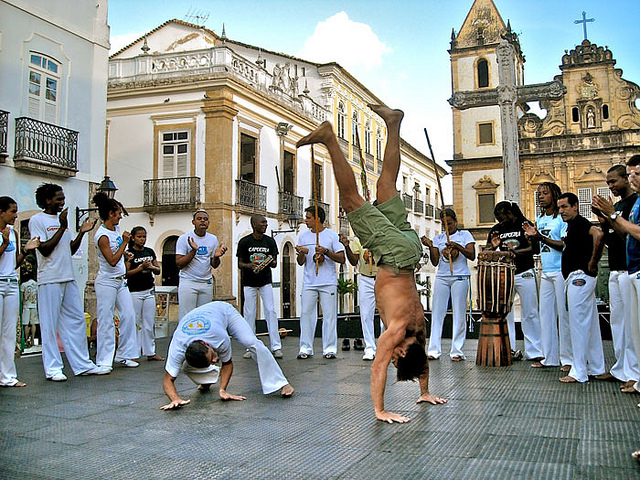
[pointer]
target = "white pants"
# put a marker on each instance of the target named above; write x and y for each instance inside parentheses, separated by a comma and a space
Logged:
(586, 339)
(144, 307)
(271, 376)
(634, 312)
(309, 318)
(250, 307)
(555, 334)
(367, 300)
(112, 294)
(526, 288)
(457, 288)
(60, 309)
(9, 307)
(620, 292)
(192, 294)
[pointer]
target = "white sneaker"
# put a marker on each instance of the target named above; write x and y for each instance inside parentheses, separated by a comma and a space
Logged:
(98, 370)
(247, 354)
(277, 353)
(58, 377)
(368, 355)
(128, 363)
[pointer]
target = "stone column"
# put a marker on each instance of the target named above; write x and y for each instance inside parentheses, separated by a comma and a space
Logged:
(220, 111)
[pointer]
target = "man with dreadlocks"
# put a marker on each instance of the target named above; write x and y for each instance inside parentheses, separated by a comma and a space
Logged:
(548, 233)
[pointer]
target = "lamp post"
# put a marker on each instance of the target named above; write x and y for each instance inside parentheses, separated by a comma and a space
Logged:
(107, 187)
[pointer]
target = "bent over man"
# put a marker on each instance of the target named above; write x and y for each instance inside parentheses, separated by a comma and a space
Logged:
(384, 230)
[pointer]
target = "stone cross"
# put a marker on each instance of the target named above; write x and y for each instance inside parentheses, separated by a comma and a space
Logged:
(584, 23)
(507, 95)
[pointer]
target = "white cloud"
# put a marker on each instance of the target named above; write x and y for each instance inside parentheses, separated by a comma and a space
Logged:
(340, 39)
(120, 41)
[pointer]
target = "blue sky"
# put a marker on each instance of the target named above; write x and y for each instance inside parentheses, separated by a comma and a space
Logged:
(397, 49)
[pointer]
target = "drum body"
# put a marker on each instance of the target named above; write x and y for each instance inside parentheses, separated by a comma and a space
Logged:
(496, 288)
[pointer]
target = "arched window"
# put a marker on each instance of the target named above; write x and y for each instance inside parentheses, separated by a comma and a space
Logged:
(483, 73)
(341, 119)
(605, 112)
(44, 86)
(354, 126)
(367, 137)
(169, 268)
(575, 114)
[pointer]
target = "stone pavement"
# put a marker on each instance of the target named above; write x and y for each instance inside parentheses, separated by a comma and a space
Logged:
(513, 422)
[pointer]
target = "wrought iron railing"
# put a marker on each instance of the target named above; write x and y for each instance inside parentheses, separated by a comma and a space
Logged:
(379, 165)
(251, 195)
(48, 143)
(418, 206)
(161, 192)
(325, 207)
(4, 127)
(408, 201)
(429, 211)
(290, 205)
(438, 213)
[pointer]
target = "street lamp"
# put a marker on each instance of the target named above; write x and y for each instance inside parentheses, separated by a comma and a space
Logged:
(106, 186)
(292, 221)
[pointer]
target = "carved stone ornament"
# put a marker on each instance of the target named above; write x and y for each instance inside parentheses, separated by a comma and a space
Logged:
(485, 183)
(588, 88)
(540, 177)
(592, 174)
(507, 93)
(530, 123)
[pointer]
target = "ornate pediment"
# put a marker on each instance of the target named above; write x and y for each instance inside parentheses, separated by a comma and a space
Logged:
(540, 177)
(586, 53)
(588, 88)
(485, 183)
(483, 26)
(592, 174)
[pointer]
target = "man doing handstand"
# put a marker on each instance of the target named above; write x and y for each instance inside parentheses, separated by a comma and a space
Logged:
(384, 230)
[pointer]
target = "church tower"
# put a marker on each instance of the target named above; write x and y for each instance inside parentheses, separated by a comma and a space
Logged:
(477, 160)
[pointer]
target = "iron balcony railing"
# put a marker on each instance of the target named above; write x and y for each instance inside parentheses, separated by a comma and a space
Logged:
(379, 164)
(167, 192)
(324, 206)
(290, 205)
(408, 201)
(418, 206)
(429, 211)
(45, 142)
(4, 126)
(251, 195)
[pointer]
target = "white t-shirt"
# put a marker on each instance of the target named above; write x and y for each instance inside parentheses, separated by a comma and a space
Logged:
(8, 258)
(327, 271)
(115, 240)
(460, 266)
(207, 323)
(555, 228)
(57, 267)
(29, 291)
(199, 269)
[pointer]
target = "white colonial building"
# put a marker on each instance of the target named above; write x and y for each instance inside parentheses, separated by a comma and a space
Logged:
(196, 120)
(53, 71)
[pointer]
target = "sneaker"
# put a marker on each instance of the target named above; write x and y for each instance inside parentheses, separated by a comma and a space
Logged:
(246, 354)
(517, 355)
(128, 363)
(98, 370)
(346, 345)
(58, 377)
(369, 356)
(358, 344)
(277, 353)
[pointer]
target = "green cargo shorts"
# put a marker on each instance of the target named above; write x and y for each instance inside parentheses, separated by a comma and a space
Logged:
(385, 231)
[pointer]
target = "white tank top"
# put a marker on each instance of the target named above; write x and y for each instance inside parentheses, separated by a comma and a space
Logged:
(115, 240)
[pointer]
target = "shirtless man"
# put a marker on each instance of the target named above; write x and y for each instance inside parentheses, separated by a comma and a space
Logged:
(384, 230)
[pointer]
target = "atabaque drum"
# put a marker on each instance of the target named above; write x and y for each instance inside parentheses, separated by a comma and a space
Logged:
(496, 281)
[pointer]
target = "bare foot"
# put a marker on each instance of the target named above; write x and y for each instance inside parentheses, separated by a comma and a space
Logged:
(565, 368)
(629, 390)
(630, 383)
(568, 379)
(541, 365)
(457, 359)
(389, 115)
(636, 454)
(322, 134)
(204, 387)
(287, 391)
(154, 358)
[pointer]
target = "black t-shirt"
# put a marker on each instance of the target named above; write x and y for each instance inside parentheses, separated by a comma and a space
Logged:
(141, 280)
(250, 249)
(512, 236)
(617, 245)
(578, 246)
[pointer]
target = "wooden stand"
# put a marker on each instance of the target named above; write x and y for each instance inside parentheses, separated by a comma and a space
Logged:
(494, 347)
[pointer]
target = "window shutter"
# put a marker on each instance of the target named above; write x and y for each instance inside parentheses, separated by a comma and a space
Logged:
(584, 196)
(182, 165)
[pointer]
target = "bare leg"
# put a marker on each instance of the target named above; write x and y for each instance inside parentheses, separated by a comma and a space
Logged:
(386, 187)
(350, 199)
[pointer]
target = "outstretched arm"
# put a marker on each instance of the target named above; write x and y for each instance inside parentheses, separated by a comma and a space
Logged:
(169, 388)
(225, 376)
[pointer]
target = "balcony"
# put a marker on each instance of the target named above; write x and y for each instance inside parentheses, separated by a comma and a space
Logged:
(408, 201)
(45, 148)
(251, 195)
(324, 206)
(418, 206)
(4, 126)
(171, 194)
(429, 211)
(290, 205)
